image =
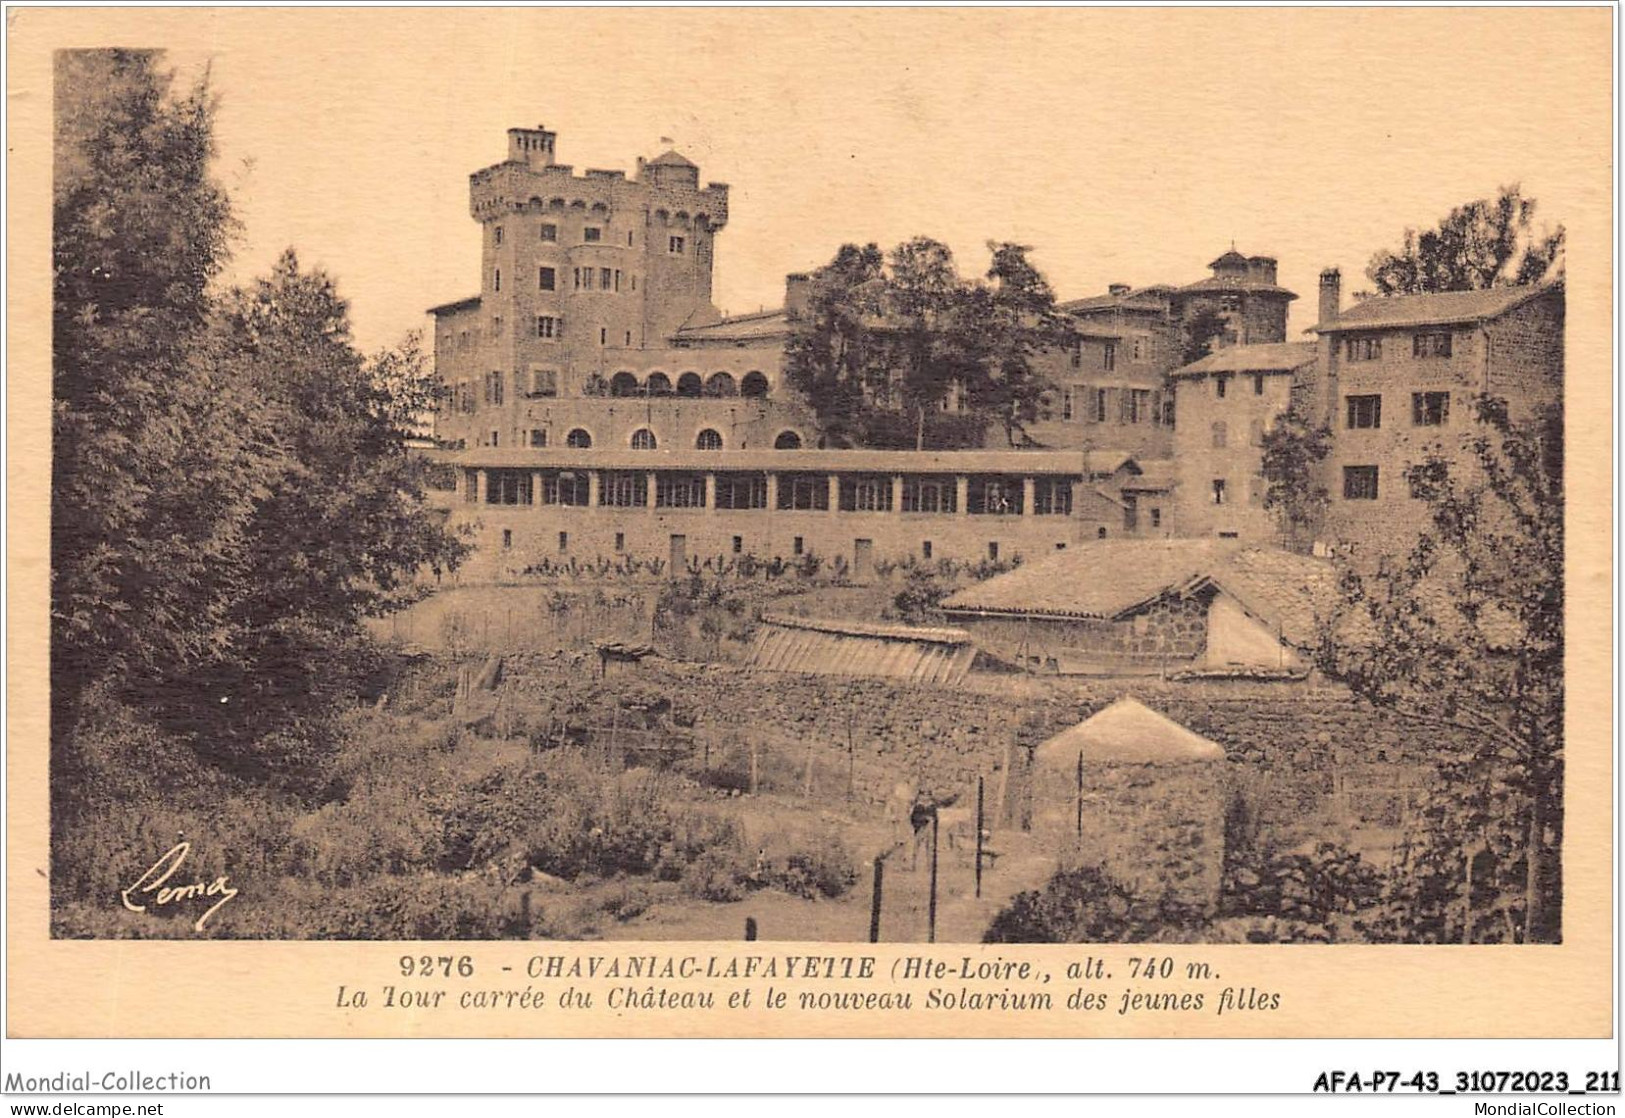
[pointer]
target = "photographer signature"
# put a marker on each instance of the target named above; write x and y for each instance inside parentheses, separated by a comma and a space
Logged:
(152, 881)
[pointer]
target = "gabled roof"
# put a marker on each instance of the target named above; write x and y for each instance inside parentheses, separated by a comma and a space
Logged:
(1442, 308)
(1148, 299)
(1231, 259)
(672, 159)
(1268, 357)
(1112, 579)
(1127, 733)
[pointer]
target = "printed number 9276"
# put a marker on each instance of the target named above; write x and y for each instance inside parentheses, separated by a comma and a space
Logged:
(437, 966)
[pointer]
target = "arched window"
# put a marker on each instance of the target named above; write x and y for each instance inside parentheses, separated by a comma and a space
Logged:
(659, 384)
(578, 439)
(787, 440)
(688, 384)
(643, 439)
(720, 384)
(708, 440)
(754, 384)
(624, 384)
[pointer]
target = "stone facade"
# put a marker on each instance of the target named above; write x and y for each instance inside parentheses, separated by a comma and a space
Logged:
(1168, 635)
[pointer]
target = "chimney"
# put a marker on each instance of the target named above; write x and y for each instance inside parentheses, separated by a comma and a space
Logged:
(1118, 289)
(1331, 294)
(797, 294)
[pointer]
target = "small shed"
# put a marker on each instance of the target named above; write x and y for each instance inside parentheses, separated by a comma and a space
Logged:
(1152, 795)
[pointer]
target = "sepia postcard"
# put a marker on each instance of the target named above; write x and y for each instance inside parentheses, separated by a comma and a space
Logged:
(784, 522)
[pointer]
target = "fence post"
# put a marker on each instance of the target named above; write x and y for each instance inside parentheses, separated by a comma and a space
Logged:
(931, 912)
(754, 748)
(874, 903)
(979, 828)
(1080, 795)
(750, 929)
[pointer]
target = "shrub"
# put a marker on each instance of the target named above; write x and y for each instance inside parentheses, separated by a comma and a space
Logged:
(1084, 905)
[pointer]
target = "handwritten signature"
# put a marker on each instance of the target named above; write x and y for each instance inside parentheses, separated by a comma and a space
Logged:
(152, 881)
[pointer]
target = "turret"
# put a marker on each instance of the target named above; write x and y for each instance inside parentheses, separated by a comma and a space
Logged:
(531, 146)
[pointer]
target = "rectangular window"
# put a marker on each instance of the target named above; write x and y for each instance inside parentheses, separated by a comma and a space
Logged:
(497, 233)
(617, 279)
(624, 489)
(1139, 405)
(471, 486)
(1099, 412)
(592, 234)
(1077, 355)
(507, 533)
(1364, 412)
(866, 494)
(1430, 409)
(1221, 435)
(804, 492)
(547, 279)
(1221, 384)
(587, 276)
(1108, 356)
(508, 487)
(547, 327)
(928, 494)
(603, 335)
(680, 491)
(538, 438)
(565, 488)
(1156, 518)
(496, 279)
(993, 550)
(549, 232)
(796, 546)
(739, 545)
(675, 246)
(925, 549)
(1363, 349)
(1359, 483)
(564, 541)
(1258, 384)
(629, 337)
(741, 491)
(496, 438)
(1066, 404)
(606, 278)
(620, 541)
(544, 382)
(995, 496)
(493, 389)
(1052, 496)
(1140, 348)
(496, 326)
(1430, 345)
(1218, 490)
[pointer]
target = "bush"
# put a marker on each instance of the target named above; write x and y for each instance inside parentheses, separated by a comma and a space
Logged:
(1084, 905)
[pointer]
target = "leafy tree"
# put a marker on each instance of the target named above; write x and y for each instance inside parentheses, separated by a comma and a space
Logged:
(887, 339)
(1466, 633)
(1199, 332)
(1490, 242)
(1290, 462)
(155, 468)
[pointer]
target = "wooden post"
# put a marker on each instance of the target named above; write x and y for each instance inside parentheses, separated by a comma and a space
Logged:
(750, 929)
(850, 753)
(1080, 795)
(931, 911)
(979, 829)
(874, 903)
(754, 749)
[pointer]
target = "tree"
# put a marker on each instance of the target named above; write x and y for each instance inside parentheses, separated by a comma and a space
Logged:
(887, 340)
(1490, 242)
(153, 460)
(1466, 633)
(1198, 333)
(1290, 460)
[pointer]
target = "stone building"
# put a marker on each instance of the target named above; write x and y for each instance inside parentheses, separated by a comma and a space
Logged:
(1395, 378)
(597, 287)
(1152, 607)
(1112, 386)
(1227, 401)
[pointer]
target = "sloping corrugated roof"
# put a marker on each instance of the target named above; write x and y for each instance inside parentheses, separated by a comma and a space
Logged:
(1108, 578)
(1263, 358)
(820, 646)
(1127, 733)
(741, 327)
(1435, 308)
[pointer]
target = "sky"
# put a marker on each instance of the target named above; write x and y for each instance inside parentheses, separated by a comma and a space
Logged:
(1124, 145)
